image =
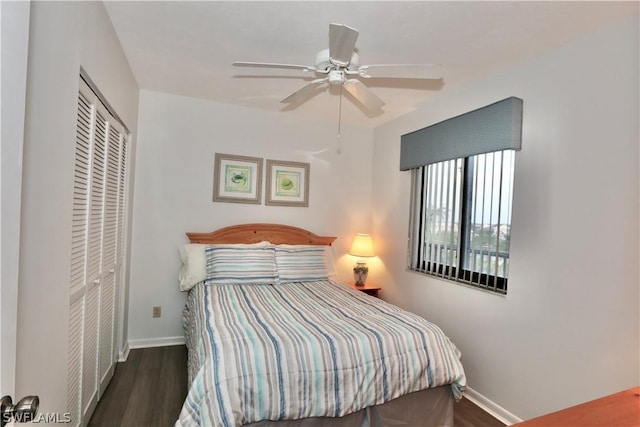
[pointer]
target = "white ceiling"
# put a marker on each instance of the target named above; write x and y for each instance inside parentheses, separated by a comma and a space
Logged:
(186, 48)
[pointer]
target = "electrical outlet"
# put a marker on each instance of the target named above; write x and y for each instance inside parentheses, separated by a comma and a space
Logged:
(157, 311)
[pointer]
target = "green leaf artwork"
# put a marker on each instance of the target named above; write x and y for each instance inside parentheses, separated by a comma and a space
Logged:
(288, 183)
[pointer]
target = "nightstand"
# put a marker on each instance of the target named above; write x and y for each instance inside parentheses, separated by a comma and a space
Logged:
(367, 288)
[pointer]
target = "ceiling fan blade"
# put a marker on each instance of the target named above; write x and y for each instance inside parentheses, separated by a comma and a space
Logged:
(304, 91)
(272, 65)
(342, 41)
(402, 71)
(362, 93)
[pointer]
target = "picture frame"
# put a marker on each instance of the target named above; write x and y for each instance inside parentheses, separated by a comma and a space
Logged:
(287, 183)
(237, 179)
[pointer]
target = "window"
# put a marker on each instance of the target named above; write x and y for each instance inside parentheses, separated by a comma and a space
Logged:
(461, 219)
(462, 188)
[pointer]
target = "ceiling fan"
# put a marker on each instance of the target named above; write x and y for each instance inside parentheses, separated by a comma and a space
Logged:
(340, 65)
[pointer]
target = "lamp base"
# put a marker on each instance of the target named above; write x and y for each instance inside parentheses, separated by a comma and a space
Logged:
(360, 272)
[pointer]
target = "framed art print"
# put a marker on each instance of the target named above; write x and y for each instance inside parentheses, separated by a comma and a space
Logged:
(287, 183)
(237, 179)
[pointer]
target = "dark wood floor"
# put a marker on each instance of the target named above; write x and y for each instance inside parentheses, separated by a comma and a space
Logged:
(149, 388)
(146, 390)
(467, 414)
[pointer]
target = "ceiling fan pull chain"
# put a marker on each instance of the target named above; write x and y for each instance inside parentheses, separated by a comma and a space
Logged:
(340, 111)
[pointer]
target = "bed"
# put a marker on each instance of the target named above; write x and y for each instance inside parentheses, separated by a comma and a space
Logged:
(281, 343)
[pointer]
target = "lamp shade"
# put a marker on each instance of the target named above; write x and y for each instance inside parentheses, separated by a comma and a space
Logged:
(362, 246)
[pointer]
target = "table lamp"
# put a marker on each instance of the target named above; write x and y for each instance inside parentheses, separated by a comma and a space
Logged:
(362, 247)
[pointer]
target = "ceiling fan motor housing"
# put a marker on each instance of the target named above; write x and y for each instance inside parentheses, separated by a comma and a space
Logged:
(323, 61)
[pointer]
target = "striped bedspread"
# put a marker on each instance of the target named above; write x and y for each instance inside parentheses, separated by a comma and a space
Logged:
(298, 350)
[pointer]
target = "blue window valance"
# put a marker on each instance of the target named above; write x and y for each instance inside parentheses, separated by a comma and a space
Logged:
(496, 127)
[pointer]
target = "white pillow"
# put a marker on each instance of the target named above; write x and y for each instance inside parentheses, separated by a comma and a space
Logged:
(194, 265)
(330, 261)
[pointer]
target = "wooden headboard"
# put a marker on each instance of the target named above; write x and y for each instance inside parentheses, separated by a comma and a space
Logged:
(277, 234)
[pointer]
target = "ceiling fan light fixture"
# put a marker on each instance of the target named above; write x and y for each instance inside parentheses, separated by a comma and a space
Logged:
(336, 77)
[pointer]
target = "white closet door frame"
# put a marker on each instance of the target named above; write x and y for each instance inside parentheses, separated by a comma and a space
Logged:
(119, 352)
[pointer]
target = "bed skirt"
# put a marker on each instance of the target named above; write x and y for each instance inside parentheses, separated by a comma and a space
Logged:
(427, 408)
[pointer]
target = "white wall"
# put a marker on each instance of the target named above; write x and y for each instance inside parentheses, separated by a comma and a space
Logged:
(63, 37)
(14, 22)
(568, 330)
(178, 139)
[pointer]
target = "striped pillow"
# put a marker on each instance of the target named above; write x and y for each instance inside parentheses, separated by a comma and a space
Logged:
(300, 263)
(241, 264)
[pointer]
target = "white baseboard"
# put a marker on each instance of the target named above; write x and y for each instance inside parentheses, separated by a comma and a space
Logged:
(491, 407)
(124, 353)
(155, 342)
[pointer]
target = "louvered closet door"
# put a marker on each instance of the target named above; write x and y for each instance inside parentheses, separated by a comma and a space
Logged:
(106, 358)
(80, 222)
(94, 263)
(97, 235)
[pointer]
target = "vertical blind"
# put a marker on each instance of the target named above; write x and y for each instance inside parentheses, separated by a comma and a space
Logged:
(437, 216)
